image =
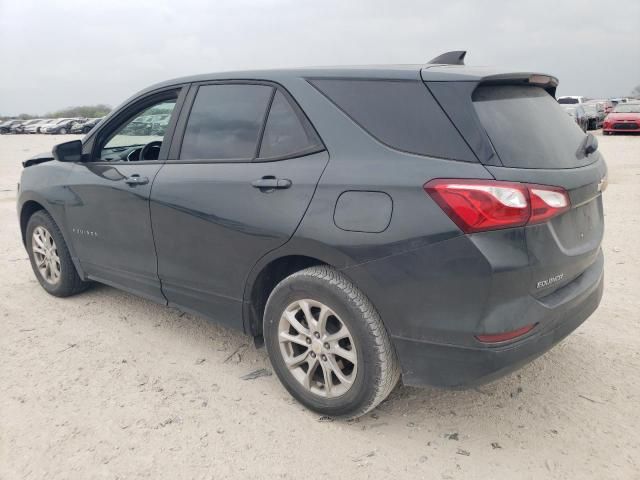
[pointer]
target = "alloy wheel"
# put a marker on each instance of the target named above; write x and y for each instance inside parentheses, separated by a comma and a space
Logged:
(317, 348)
(46, 257)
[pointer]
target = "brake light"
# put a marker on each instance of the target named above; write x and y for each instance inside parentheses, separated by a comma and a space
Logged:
(480, 205)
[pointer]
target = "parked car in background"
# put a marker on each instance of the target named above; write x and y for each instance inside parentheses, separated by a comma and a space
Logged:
(84, 126)
(618, 100)
(20, 127)
(5, 127)
(595, 115)
(570, 99)
(60, 126)
(625, 117)
(606, 104)
(452, 235)
(36, 126)
(578, 114)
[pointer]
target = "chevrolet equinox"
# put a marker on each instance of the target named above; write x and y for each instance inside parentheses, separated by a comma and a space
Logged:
(440, 223)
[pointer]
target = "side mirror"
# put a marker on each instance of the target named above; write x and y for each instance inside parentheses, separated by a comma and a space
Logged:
(68, 151)
(591, 145)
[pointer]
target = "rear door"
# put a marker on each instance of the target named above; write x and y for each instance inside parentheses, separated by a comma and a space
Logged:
(243, 167)
(534, 141)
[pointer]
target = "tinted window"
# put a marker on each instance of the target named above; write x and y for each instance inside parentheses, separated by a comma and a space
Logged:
(285, 133)
(400, 114)
(225, 122)
(528, 129)
(567, 100)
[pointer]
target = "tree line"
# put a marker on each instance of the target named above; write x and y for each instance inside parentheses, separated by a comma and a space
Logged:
(85, 111)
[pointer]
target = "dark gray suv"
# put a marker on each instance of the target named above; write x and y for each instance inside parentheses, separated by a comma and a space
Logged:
(439, 223)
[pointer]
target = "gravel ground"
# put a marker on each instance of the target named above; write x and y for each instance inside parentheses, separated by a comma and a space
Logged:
(107, 385)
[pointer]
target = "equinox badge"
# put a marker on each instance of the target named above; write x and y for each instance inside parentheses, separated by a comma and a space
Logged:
(550, 281)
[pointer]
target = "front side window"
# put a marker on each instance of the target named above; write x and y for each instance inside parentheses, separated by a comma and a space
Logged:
(139, 137)
(225, 122)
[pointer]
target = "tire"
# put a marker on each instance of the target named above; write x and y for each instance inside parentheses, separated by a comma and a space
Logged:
(67, 282)
(63, 131)
(362, 384)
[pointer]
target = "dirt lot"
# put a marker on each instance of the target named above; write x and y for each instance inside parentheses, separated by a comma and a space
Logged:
(106, 385)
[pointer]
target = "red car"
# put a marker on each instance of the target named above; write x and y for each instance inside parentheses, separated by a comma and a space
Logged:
(625, 117)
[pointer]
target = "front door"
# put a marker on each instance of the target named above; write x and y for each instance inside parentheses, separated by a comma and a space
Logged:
(242, 179)
(108, 216)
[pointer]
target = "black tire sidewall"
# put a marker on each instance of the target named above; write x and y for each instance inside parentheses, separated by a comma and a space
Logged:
(363, 390)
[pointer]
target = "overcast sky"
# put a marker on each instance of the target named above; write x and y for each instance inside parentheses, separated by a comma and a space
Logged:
(61, 53)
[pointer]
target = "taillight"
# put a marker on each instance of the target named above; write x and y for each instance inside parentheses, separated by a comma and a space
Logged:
(546, 203)
(480, 205)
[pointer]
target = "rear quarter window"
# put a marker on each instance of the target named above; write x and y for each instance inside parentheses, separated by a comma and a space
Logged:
(401, 114)
(287, 133)
(528, 129)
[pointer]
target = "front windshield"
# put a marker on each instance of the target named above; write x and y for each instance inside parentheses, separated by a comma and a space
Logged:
(590, 109)
(627, 108)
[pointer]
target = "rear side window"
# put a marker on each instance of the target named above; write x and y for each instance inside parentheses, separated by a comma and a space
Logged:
(528, 129)
(225, 122)
(287, 133)
(401, 114)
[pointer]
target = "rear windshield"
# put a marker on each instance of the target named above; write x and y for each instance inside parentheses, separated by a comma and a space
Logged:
(528, 129)
(568, 100)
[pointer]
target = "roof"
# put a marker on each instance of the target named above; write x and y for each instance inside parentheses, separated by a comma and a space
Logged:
(391, 72)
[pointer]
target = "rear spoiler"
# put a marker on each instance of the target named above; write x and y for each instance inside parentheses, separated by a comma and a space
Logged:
(548, 82)
(450, 66)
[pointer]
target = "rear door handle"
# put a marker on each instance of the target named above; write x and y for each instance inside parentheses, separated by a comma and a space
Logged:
(136, 179)
(271, 183)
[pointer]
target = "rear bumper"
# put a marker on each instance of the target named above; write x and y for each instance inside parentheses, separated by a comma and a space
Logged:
(444, 365)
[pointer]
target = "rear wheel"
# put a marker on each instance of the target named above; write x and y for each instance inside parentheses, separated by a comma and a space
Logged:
(328, 345)
(50, 258)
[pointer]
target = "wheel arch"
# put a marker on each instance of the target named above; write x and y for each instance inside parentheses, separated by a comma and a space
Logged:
(295, 255)
(32, 203)
(28, 209)
(264, 281)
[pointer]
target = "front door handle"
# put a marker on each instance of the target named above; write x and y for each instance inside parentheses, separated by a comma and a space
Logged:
(136, 179)
(271, 183)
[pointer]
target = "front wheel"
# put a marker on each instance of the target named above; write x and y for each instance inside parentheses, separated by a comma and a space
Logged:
(327, 344)
(63, 131)
(50, 257)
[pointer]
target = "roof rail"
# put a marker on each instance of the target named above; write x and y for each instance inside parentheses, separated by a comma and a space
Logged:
(455, 57)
